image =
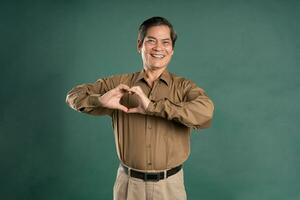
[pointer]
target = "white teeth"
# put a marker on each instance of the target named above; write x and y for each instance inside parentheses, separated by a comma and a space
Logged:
(157, 55)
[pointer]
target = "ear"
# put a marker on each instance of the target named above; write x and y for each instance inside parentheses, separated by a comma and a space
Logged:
(139, 45)
(172, 52)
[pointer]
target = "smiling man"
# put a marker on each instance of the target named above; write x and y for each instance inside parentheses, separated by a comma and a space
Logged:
(153, 112)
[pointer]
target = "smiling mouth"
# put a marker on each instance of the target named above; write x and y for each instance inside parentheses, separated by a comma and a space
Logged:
(157, 56)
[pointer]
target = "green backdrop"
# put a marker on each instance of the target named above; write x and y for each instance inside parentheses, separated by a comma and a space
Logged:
(245, 54)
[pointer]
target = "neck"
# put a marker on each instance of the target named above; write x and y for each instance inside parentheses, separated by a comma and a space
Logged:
(153, 74)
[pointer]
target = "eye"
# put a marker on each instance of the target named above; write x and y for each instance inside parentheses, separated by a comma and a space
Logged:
(166, 43)
(151, 41)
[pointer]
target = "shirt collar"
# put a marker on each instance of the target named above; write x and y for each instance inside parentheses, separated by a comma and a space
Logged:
(165, 76)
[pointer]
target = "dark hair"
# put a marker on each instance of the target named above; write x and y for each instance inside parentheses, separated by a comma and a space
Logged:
(156, 21)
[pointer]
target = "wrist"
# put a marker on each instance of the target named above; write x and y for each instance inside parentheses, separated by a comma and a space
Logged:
(146, 103)
(100, 101)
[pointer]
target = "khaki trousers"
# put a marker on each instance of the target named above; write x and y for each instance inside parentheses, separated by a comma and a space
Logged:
(129, 188)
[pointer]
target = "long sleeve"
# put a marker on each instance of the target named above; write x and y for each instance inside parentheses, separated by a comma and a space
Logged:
(195, 111)
(84, 98)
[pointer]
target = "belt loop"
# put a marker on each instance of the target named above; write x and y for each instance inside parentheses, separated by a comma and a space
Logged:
(165, 174)
(129, 171)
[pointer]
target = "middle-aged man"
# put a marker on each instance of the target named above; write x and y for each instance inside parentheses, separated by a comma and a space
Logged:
(152, 114)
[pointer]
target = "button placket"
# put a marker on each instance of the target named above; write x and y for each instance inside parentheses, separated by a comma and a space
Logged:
(148, 142)
(149, 160)
(149, 131)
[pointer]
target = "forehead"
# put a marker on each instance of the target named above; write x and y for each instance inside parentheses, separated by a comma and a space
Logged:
(159, 32)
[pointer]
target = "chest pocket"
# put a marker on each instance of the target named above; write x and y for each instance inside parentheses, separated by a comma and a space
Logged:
(174, 94)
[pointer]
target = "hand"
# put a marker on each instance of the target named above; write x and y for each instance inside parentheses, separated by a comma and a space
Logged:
(142, 99)
(111, 99)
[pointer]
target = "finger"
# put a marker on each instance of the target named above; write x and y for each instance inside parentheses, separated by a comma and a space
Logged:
(131, 91)
(123, 108)
(134, 89)
(133, 110)
(137, 90)
(124, 87)
(120, 90)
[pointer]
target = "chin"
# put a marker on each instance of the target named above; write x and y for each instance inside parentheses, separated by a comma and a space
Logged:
(158, 65)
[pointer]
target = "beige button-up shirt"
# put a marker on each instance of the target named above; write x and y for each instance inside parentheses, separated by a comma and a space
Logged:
(159, 139)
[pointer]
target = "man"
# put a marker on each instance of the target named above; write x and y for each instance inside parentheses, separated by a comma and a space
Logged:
(152, 112)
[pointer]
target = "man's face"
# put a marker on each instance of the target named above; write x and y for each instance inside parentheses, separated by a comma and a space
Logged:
(156, 49)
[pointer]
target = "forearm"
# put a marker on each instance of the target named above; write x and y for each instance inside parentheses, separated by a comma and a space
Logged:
(195, 114)
(85, 98)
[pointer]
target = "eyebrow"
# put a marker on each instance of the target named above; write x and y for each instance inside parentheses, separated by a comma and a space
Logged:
(156, 38)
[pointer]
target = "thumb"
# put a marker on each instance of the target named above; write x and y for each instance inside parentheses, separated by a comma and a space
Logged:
(123, 108)
(133, 110)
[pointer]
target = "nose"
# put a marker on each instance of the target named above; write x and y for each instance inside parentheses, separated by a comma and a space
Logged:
(158, 46)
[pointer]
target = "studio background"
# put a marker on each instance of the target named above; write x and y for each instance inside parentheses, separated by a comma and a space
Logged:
(245, 54)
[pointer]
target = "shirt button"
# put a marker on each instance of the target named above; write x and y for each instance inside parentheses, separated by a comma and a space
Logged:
(149, 163)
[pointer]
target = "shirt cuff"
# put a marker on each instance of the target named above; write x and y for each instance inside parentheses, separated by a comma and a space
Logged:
(94, 100)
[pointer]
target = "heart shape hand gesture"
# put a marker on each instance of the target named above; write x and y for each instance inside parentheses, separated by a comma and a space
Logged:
(111, 99)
